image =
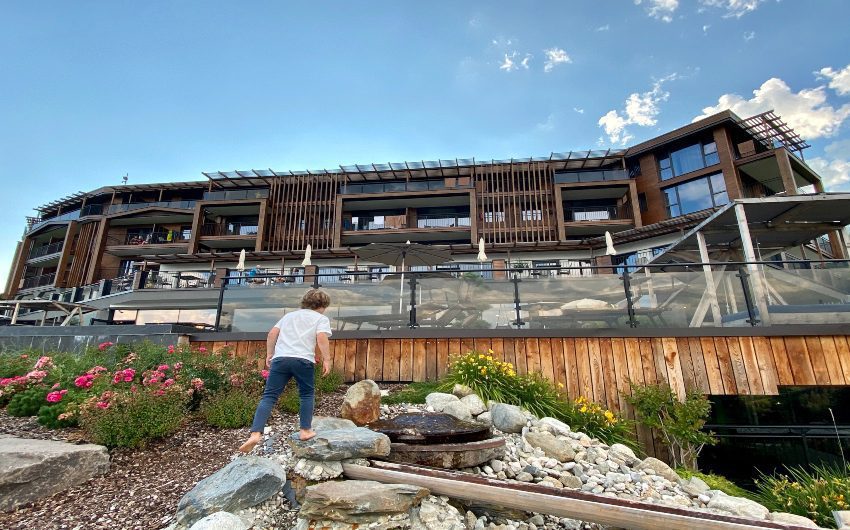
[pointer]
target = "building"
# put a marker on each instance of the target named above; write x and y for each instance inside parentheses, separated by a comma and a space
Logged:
(537, 212)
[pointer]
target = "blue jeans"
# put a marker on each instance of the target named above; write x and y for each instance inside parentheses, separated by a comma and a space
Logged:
(283, 369)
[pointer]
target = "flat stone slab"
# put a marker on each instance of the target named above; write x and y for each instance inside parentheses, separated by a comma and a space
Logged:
(358, 501)
(430, 428)
(448, 456)
(33, 469)
(341, 444)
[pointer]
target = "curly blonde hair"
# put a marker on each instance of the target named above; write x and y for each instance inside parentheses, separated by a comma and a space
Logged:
(315, 299)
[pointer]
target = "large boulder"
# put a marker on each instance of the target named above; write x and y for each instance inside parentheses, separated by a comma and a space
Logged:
(551, 445)
(362, 402)
(474, 403)
(659, 468)
(328, 423)
(792, 519)
(462, 391)
(439, 400)
(623, 452)
(341, 444)
(737, 506)
(358, 501)
(221, 521)
(459, 410)
(244, 482)
(507, 418)
(32, 469)
(555, 426)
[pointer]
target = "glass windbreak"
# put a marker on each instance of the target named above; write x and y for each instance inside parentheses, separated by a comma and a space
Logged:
(821, 296)
(466, 300)
(558, 302)
(677, 299)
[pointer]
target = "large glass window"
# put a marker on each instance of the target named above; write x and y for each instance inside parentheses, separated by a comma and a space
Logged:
(696, 195)
(689, 159)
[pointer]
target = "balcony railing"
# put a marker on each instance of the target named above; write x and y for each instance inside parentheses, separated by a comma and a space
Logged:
(230, 229)
(130, 206)
(92, 209)
(235, 195)
(570, 177)
(46, 250)
(38, 222)
(442, 221)
(155, 238)
(39, 281)
(595, 213)
(390, 187)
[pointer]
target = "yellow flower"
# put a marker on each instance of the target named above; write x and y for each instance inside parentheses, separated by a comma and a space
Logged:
(583, 408)
(490, 351)
(560, 385)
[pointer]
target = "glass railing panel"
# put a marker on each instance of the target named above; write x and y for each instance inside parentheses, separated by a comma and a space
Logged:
(465, 302)
(810, 296)
(46, 250)
(565, 302)
(681, 299)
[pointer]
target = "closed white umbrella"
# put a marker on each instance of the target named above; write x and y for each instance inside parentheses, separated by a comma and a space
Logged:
(240, 266)
(307, 253)
(609, 244)
(482, 257)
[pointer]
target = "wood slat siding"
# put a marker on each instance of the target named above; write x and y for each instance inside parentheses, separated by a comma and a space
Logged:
(601, 368)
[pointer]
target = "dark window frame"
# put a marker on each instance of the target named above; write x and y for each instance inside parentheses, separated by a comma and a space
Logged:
(712, 194)
(708, 151)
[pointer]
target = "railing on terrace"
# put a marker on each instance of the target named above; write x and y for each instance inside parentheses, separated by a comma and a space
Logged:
(39, 281)
(389, 187)
(153, 238)
(570, 177)
(37, 222)
(647, 296)
(130, 206)
(594, 213)
(235, 195)
(442, 221)
(46, 250)
(229, 229)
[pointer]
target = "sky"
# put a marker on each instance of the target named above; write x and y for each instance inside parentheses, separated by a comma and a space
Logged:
(161, 91)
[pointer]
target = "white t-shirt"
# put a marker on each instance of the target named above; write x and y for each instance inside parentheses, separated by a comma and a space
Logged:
(298, 334)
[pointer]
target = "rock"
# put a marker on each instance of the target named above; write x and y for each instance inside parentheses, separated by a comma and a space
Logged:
(842, 518)
(33, 469)
(439, 400)
(570, 481)
(362, 402)
(737, 506)
(461, 391)
(694, 486)
(474, 404)
(221, 521)
(356, 501)
(485, 417)
(659, 468)
(792, 519)
(623, 452)
(554, 426)
(537, 519)
(329, 423)
(458, 409)
(524, 476)
(507, 418)
(242, 483)
(434, 513)
(551, 446)
(316, 470)
(341, 444)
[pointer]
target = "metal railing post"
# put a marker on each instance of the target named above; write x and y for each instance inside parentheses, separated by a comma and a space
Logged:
(630, 306)
(515, 280)
(412, 323)
(316, 283)
(748, 297)
(220, 303)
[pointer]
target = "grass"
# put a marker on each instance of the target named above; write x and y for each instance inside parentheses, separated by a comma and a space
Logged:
(414, 393)
(716, 482)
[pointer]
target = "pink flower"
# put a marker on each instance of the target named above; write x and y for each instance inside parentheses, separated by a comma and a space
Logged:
(202, 349)
(63, 392)
(159, 392)
(96, 370)
(25, 356)
(170, 348)
(103, 345)
(265, 374)
(235, 380)
(197, 383)
(36, 374)
(128, 374)
(55, 386)
(82, 382)
(42, 362)
(118, 377)
(178, 366)
(55, 397)
(102, 404)
(167, 383)
(162, 367)
(6, 381)
(133, 388)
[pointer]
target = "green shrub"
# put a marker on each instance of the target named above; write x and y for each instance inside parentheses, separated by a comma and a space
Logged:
(327, 383)
(716, 482)
(679, 422)
(230, 409)
(498, 381)
(27, 402)
(414, 392)
(813, 494)
(51, 416)
(289, 400)
(133, 418)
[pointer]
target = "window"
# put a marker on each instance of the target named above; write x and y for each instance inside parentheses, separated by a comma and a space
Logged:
(532, 215)
(688, 159)
(696, 195)
(642, 202)
(494, 217)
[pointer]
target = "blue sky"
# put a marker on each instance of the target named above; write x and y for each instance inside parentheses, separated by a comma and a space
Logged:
(161, 91)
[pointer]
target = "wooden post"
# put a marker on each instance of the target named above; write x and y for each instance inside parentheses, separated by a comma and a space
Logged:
(15, 314)
(710, 287)
(754, 270)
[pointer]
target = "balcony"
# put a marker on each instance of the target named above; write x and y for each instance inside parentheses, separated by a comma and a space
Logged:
(402, 186)
(156, 238)
(138, 243)
(589, 220)
(442, 221)
(235, 195)
(434, 228)
(130, 206)
(573, 177)
(39, 281)
(34, 223)
(229, 230)
(46, 250)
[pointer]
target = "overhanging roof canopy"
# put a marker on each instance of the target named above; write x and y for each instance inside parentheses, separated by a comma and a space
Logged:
(775, 224)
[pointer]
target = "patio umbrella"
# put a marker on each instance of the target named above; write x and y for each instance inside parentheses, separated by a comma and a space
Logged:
(482, 257)
(307, 253)
(609, 244)
(240, 266)
(401, 255)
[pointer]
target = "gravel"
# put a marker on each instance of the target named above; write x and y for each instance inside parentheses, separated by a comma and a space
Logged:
(143, 486)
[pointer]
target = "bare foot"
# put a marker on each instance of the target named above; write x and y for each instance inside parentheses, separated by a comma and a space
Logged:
(306, 434)
(252, 442)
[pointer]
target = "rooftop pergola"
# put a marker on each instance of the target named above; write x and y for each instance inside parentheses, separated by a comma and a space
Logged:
(770, 130)
(69, 309)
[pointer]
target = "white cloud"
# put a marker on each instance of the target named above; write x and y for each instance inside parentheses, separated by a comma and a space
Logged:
(606, 27)
(838, 80)
(525, 60)
(806, 111)
(749, 35)
(834, 168)
(554, 57)
(640, 109)
(660, 9)
(510, 64)
(578, 110)
(475, 22)
(548, 125)
(734, 8)
(705, 29)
